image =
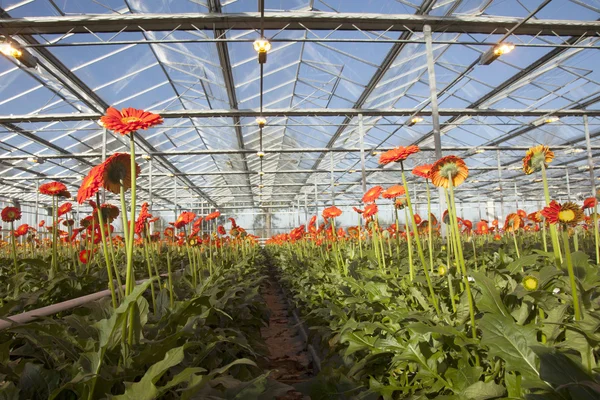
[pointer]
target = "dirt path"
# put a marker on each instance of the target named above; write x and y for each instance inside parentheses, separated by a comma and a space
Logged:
(287, 356)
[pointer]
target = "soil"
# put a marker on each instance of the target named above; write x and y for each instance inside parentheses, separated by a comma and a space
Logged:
(287, 358)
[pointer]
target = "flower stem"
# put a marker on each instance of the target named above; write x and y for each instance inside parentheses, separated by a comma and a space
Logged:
(565, 236)
(596, 238)
(13, 240)
(106, 255)
(411, 268)
(419, 247)
(429, 227)
(553, 231)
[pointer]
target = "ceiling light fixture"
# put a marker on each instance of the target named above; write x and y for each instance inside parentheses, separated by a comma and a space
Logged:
(415, 120)
(494, 52)
(10, 48)
(262, 47)
(261, 121)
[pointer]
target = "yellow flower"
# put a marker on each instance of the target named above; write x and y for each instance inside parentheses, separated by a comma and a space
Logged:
(530, 283)
(442, 270)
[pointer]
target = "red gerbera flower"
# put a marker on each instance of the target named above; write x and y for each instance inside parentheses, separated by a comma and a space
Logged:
(233, 224)
(567, 214)
(53, 188)
(212, 215)
(332, 212)
(84, 256)
(90, 184)
(482, 227)
(358, 210)
(41, 223)
(129, 120)
(117, 169)
(222, 230)
(64, 208)
(422, 170)
(21, 230)
(184, 218)
(393, 192)
(398, 154)
(370, 210)
(10, 214)
(590, 202)
(372, 194)
(417, 219)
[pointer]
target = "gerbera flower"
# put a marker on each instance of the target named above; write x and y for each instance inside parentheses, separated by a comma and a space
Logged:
(521, 213)
(184, 218)
(536, 157)
(110, 212)
(422, 170)
(332, 212)
(568, 214)
(117, 169)
(530, 283)
(90, 184)
(212, 216)
(370, 210)
(400, 203)
(590, 202)
(64, 208)
(535, 217)
(233, 223)
(41, 223)
(358, 210)
(84, 256)
(11, 214)
(393, 192)
(129, 120)
(482, 227)
(418, 219)
(513, 222)
(21, 230)
(446, 168)
(222, 231)
(372, 194)
(400, 153)
(52, 188)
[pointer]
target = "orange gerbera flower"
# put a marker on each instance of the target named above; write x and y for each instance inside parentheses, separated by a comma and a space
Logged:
(422, 171)
(446, 168)
(90, 184)
(129, 120)
(535, 217)
(372, 194)
(332, 212)
(11, 214)
(513, 222)
(400, 203)
(590, 202)
(568, 214)
(184, 218)
(212, 216)
(521, 213)
(53, 189)
(110, 212)
(21, 230)
(393, 192)
(536, 157)
(400, 153)
(370, 210)
(64, 208)
(482, 227)
(418, 219)
(358, 210)
(117, 169)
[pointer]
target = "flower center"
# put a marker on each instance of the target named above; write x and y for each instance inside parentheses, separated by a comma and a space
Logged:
(530, 283)
(117, 172)
(449, 170)
(128, 120)
(566, 215)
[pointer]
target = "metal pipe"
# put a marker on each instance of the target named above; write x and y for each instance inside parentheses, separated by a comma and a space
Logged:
(590, 157)
(361, 132)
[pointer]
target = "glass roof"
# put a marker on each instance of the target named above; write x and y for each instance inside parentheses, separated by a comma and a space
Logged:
(318, 76)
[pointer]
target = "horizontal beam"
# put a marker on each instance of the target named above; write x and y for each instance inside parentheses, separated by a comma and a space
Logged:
(276, 21)
(307, 150)
(312, 112)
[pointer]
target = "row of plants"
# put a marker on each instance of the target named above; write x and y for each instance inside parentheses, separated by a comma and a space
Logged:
(183, 315)
(449, 310)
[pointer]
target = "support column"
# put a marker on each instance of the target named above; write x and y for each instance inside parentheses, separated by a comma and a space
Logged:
(500, 185)
(306, 207)
(317, 202)
(435, 116)
(104, 133)
(37, 202)
(361, 133)
(175, 197)
(150, 192)
(516, 195)
(588, 144)
(568, 184)
(332, 180)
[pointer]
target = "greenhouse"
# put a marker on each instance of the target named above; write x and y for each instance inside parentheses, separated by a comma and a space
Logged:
(299, 199)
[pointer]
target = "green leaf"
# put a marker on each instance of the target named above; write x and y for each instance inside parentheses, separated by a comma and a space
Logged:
(484, 391)
(510, 342)
(490, 300)
(520, 264)
(462, 378)
(564, 373)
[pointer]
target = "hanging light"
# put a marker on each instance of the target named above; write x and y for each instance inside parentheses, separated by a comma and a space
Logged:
(146, 157)
(260, 154)
(261, 121)
(551, 119)
(415, 120)
(261, 173)
(11, 49)
(262, 47)
(479, 151)
(35, 160)
(545, 120)
(493, 53)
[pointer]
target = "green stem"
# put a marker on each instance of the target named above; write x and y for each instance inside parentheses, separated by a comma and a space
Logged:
(171, 301)
(419, 248)
(514, 235)
(106, 256)
(411, 268)
(572, 281)
(429, 227)
(596, 235)
(553, 232)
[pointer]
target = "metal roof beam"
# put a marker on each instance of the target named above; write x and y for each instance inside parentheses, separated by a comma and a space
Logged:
(314, 21)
